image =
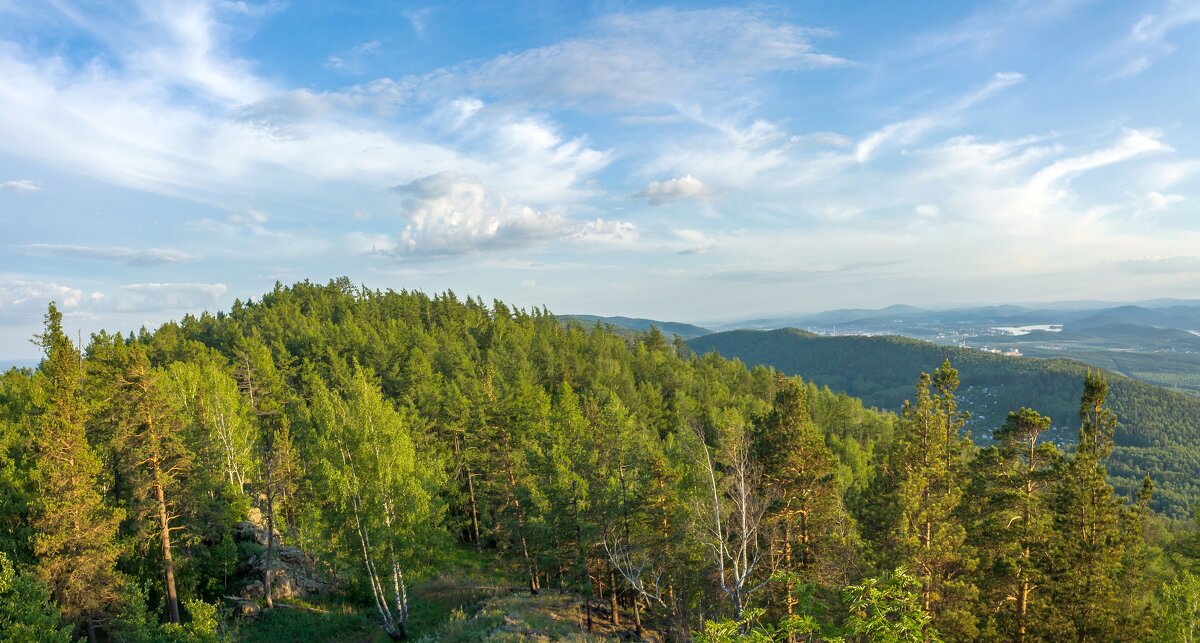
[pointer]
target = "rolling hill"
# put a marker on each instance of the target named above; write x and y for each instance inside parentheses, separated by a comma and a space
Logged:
(686, 331)
(1159, 429)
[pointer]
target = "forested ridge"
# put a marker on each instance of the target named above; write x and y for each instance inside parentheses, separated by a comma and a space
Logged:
(1157, 433)
(390, 440)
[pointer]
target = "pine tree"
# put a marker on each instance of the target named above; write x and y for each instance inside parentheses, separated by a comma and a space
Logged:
(1087, 517)
(75, 541)
(153, 444)
(928, 463)
(801, 475)
(1014, 531)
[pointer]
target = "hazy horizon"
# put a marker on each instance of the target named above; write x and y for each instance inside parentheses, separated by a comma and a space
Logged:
(690, 162)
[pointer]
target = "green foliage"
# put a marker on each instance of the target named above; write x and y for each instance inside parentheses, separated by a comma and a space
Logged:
(75, 531)
(27, 615)
(431, 452)
(1181, 609)
(888, 609)
(1156, 435)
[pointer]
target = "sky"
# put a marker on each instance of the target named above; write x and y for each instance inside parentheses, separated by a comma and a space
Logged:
(692, 162)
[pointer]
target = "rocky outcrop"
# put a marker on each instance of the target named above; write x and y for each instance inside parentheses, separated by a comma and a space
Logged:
(294, 572)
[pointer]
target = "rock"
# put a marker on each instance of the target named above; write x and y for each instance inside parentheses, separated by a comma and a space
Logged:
(294, 574)
(253, 590)
(245, 608)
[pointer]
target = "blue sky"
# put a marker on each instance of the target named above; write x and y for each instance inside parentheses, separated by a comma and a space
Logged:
(694, 162)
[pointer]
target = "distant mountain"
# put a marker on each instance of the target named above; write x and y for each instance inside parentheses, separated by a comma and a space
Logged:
(1159, 428)
(1178, 314)
(1178, 317)
(686, 331)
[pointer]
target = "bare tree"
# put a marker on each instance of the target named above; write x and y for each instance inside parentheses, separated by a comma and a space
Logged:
(732, 518)
(641, 573)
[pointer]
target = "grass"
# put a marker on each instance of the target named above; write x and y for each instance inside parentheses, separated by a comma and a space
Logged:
(518, 616)
(464, 581)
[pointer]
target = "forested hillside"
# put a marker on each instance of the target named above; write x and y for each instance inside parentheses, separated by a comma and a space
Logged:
(329, 461)
(1157, 433)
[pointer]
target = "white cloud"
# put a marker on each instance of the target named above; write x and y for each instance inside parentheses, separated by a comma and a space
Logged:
(168, 296)
(692, 242)
(676, 189)
(1152, 202)
(450, 214)
(928, 211)
(1147, 41)
(908, 131)
(249, 217)
(1133, 143)
(661, 57)
(18, 293)
(131, 256)
(353, 59)
(419, 19)
(21, 185)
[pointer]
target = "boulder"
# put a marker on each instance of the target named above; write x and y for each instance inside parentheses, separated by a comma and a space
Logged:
(294, 572)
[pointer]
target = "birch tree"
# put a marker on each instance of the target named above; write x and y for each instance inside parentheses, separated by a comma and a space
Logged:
(381, 492)
(731, 511)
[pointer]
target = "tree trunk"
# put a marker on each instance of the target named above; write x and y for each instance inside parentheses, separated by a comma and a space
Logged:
(1022, 606)
(534, 586)
(168, 563)
(612, 595)
(270, 541)
(474, 509)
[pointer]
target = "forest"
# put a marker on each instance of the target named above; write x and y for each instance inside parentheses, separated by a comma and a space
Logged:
(325, 462)
(1157, 429)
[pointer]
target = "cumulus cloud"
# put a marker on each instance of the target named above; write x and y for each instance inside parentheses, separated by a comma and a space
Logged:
(21, 185)
(451, 214)
(17, 293)
(131, 256)
(669, 191)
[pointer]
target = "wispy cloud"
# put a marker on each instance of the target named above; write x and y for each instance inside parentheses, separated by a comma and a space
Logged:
(20, 185)
(1163, 266)
(131, 256)
(662, 57)
(1147, 41)
(908, 131)
(1133, 143)
(419, 19)
(158, 296)
(353, 60)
